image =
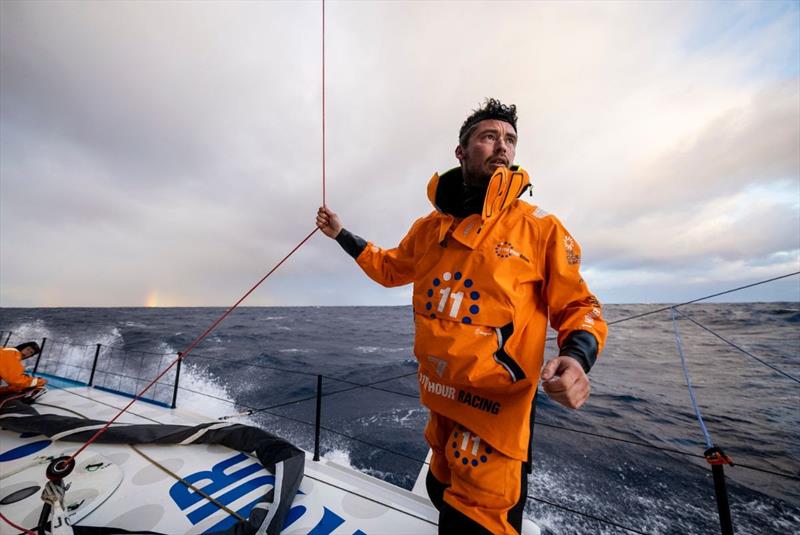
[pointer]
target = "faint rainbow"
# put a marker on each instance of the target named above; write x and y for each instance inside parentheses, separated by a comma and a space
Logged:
(151, 300)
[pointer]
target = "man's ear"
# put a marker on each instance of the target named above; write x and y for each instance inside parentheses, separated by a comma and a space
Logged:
(459, 152)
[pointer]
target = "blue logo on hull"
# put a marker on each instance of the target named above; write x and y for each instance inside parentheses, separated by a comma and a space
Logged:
(216, 480)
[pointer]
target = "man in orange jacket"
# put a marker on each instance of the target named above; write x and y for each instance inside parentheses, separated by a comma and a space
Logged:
(12, 371)
(488, 270)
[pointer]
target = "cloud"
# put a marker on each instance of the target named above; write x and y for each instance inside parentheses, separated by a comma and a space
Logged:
(752, 224)
(756, 142)
(176, 147)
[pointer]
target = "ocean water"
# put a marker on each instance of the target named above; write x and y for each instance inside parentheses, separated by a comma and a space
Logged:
(584, 470)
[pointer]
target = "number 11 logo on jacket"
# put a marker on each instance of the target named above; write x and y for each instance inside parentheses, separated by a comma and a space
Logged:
(445, 301)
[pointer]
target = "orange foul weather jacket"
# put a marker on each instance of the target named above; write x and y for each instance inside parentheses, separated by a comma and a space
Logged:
(12, 372)
(484, 287)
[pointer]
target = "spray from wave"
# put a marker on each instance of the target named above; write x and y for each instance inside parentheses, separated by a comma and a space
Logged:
(205, 393)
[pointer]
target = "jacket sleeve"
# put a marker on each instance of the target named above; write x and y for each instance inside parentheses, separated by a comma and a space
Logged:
(351, 243)
(13, 372)
(391, 267)
(574, 311)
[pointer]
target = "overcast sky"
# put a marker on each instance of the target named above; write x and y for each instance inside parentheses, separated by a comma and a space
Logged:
(170, 153)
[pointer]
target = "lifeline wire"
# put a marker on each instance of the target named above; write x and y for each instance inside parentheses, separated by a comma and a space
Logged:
(796, 380)
(665, 450)
(662, 309)
(587, 515)
(704, 298)
(254, 410)
(678, 343)
(379, 447)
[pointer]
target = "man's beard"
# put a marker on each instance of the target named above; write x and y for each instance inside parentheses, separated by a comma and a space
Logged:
(475, 185)
(479, 179)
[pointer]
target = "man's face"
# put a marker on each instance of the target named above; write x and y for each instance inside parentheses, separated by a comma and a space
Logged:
(492, 144)
(27, 353)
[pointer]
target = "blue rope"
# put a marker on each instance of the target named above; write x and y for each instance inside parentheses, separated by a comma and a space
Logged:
(679, 344)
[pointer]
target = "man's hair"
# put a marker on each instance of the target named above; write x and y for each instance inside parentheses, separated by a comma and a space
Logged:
(34, 345)
(491, 109)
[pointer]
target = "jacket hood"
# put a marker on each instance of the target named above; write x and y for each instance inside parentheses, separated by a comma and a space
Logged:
(447, 191)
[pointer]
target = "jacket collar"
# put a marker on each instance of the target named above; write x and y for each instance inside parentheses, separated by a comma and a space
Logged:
(448, 193)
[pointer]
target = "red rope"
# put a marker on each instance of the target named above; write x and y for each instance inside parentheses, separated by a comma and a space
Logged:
(219, 320)
(323, 104)
(13, 525)
(186, 351)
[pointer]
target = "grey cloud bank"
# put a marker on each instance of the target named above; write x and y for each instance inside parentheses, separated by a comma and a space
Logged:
(170, 153)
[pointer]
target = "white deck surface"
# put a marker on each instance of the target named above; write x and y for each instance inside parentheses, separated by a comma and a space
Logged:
(332, 498)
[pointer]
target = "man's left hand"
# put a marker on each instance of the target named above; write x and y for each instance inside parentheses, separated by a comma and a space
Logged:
(565, 381)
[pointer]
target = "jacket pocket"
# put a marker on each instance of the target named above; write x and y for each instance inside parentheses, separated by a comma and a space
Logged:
(466, 355)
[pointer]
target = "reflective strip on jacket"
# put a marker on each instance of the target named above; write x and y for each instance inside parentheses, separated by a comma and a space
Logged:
(483, 288)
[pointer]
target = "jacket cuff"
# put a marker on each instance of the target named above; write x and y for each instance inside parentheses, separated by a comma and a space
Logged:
(582, 346)
(354, 245)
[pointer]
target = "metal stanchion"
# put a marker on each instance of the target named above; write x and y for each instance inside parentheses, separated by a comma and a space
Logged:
(717, 459)
(177, 377)
(319, 415)
(39, 356)
(94, 364)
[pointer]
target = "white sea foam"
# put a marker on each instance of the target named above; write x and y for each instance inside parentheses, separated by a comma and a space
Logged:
(110, 339)
(375, 349)
(62, 355)
(295, 350)
(380, 474)
(201, 391)
(340, 456)
(782, 522)
(408, 418)
(166, 349)
(27, 331)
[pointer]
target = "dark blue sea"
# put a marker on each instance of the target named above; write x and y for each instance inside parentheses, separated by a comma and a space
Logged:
(631, 458)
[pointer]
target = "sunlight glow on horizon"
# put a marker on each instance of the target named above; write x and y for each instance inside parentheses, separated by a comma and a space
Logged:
(152, 299)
